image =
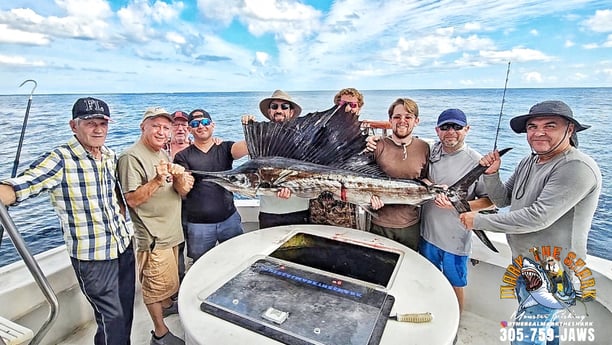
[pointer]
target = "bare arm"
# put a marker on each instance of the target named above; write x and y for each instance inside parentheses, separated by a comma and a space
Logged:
(144, 192)
(7, 194)
(239, 149)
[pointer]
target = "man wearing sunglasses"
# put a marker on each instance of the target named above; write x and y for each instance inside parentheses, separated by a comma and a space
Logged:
(400, 156)
(351, 98)
(444, 240)
(210, 210)
(325, 209)
(283, 209)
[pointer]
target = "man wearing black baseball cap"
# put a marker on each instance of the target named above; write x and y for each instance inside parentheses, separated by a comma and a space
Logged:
(552, 194)
(81, 178)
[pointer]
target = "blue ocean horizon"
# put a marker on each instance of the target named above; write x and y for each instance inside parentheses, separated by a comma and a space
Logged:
(49, 115)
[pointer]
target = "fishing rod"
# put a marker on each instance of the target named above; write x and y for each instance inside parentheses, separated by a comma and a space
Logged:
(23, 128)
(501, 111)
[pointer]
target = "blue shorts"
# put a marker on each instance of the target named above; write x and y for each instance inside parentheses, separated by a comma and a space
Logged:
(454, 267)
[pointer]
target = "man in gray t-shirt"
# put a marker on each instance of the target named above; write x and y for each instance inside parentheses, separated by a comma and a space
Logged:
(552, 194)
(444, 240)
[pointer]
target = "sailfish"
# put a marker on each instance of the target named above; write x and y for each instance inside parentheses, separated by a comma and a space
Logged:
(325, 152)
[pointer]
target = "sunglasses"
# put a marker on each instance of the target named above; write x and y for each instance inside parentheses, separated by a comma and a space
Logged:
(203, 122)
(350, 104)
(447, 126)
(283, 106)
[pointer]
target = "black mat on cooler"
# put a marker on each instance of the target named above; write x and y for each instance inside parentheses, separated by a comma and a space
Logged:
(295, 305)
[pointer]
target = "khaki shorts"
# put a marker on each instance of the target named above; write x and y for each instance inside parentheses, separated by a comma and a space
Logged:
(158, 274)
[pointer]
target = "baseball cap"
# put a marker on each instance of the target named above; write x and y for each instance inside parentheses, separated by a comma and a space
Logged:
(155, 112)
(90, 108)
(203, 112)
(179, 114)
(452, 116)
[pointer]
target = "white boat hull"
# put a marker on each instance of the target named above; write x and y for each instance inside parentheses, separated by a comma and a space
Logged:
(22, 302)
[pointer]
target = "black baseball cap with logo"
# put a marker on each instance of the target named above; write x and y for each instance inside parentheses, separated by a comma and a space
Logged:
(90, 108)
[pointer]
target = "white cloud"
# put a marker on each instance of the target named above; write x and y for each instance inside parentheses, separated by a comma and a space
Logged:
(175, 37)
(534, 32)
(608, 42)
(600, 22)
(568, 44)
(532, 77)
(261, 58)
(472, 26)
(19, 61)
(8, 35)
(288, 20)
(139, 18)
(590, 46)
(580, 76)
(85, 19)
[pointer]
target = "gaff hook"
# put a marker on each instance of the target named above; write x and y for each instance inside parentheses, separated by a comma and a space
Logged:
(34, 88)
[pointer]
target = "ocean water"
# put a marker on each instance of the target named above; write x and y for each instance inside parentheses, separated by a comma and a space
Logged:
(49, 115)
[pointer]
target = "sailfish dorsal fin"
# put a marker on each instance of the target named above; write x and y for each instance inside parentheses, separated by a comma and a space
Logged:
(331, 137)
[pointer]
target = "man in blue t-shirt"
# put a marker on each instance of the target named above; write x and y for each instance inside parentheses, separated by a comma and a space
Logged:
(211, 213)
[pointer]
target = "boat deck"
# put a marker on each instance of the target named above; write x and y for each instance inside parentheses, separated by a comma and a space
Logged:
(473, 329)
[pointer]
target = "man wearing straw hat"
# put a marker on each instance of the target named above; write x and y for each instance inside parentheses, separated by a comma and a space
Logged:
(283, 209)
(552, 194)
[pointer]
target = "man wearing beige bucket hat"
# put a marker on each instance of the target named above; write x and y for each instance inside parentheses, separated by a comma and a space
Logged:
(279, 107)
(552, 194)
(283, 209)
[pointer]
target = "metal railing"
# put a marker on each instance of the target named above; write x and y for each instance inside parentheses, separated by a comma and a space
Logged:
(36, 272)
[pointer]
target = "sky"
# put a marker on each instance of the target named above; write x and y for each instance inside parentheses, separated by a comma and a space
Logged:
(133, 46)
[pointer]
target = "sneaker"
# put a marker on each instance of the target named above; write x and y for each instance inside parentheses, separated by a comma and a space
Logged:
(172, 309)
(168, 339)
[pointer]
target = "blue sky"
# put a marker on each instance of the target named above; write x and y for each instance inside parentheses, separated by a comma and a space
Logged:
(100, 46)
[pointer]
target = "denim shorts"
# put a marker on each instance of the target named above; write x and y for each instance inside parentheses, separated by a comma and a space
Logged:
(454, 267)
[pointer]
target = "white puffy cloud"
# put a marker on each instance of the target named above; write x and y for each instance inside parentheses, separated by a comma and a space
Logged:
(261, 58)
(8, 35)
(532, 77)
(138, 19)
(19, 61)
(288, 20)
(600, 22)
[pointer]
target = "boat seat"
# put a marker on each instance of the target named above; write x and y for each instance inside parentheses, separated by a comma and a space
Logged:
(13, 334)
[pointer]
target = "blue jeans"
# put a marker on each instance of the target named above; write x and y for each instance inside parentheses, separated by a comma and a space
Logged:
(202, 237)
(109, 286)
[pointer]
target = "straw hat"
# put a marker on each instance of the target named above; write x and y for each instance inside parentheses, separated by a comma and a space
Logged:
(264, 105)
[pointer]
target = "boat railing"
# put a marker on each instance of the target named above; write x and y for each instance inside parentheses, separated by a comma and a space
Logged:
(34, 268)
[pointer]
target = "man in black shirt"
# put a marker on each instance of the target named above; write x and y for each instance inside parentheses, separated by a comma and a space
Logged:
(211, 213)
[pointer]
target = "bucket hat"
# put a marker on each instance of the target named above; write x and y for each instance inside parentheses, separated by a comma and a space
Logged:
(549, 108)
(264, 105)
